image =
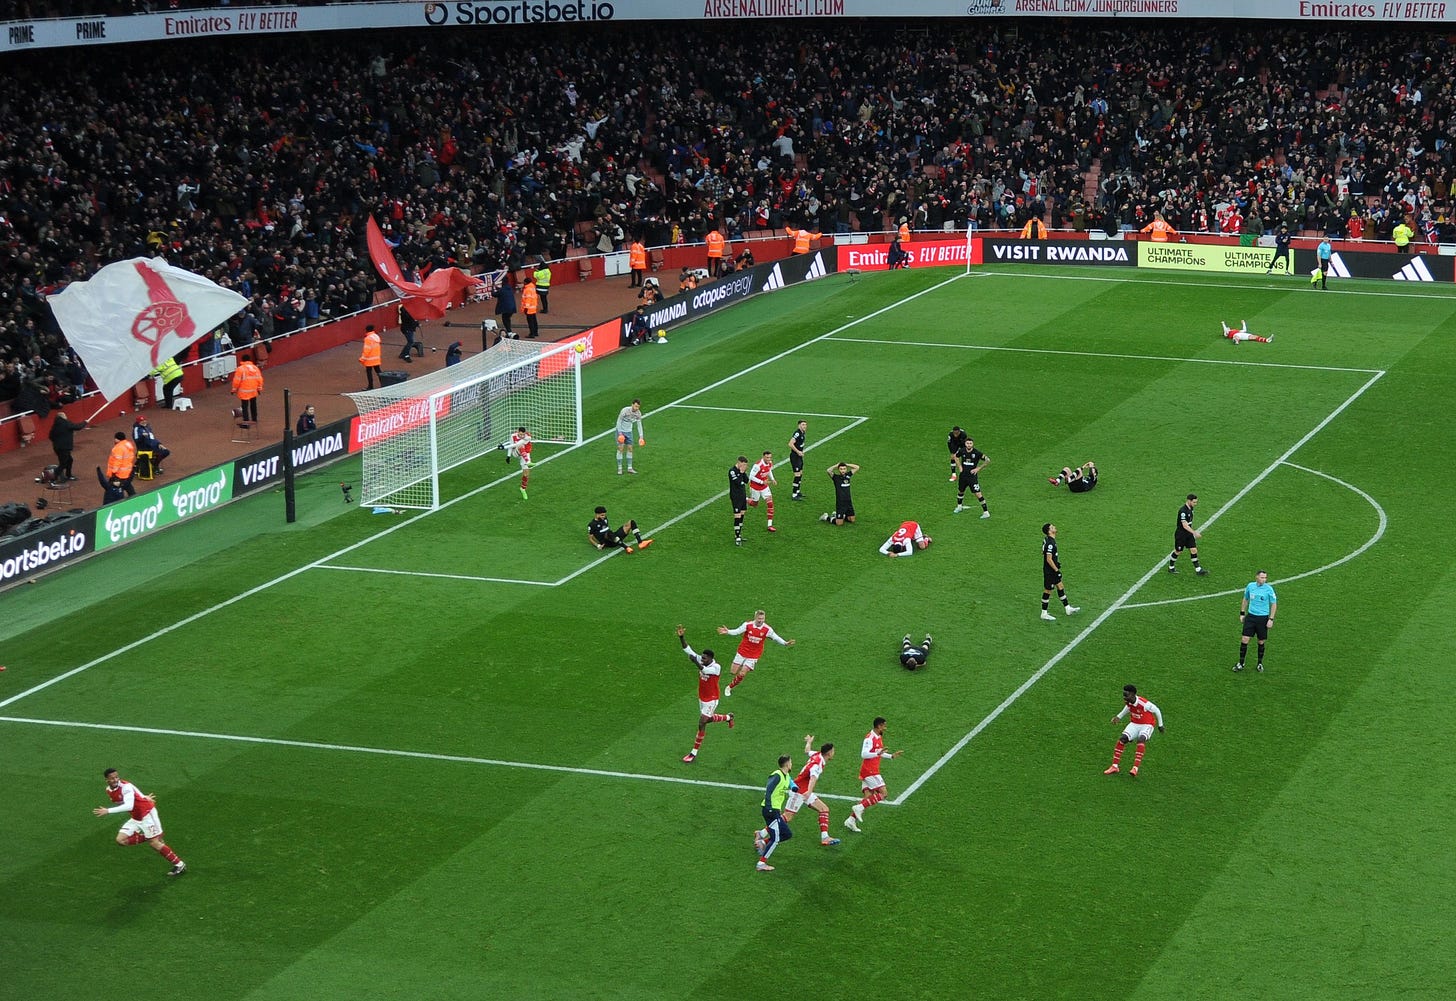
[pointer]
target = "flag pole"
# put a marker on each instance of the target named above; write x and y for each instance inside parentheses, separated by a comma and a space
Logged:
(104, 405)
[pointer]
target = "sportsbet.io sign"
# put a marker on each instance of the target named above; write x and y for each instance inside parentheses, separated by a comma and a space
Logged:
(131, 519)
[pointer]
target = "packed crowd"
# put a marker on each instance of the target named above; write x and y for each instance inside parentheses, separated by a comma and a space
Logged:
(488, 150)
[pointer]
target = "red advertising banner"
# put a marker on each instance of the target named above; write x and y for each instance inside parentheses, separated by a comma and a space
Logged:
(925, 254)
(394, 419)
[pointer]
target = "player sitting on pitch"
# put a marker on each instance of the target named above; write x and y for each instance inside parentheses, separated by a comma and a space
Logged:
(1078, 480)
(600, 533)
(1242, 334)
(907, 538)
(912, 656)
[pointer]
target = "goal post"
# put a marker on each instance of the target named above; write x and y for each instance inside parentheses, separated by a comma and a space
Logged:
(413, 431)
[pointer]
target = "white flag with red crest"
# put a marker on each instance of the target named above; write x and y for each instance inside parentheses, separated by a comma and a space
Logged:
(134, 314)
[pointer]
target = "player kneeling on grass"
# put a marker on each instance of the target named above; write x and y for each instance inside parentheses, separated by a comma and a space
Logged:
(600, 533)
(803, 795)
(1143, 714)
(708, 673)
(907, 538)
(914, 657)
(1078, 480)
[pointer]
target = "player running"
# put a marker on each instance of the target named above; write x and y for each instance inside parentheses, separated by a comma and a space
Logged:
(803, 794)
(750, 648)
(144, 826)
(1142, 715)
(630, 417)
(872, 784)
(708, 673)
(760, 480)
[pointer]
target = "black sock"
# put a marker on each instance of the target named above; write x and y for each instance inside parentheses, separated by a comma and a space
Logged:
(1063, 596)
(983, 506)
(1261, 652)
(738, 529)
(1243, 651)
(1045, 599)
(638, 534)
(1194, 558)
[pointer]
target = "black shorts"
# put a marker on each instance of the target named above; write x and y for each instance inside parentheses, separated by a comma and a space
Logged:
(1256, 625)
(1081, 486)
(1184, 540)
(1050, 578)
(740, 504)
(969, 482)
(844, 512)
(796, 462)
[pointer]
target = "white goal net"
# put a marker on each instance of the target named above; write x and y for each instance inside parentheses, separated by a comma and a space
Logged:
(413, 431)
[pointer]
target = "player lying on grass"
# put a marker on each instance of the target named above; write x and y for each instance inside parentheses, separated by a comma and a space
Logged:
(1078, 480)
(1242, 334)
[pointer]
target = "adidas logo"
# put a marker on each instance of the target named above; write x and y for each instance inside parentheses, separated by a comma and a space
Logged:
(1337, 267)
(775, 280)
(817, 269)
(1415, 271)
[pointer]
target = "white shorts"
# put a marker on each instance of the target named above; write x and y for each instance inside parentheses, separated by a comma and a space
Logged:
(150, 826)
(872, 782)
(755, 494)
(1138, 733)
(707, 708)
(797, 802)
(525, 462)
(747, 663)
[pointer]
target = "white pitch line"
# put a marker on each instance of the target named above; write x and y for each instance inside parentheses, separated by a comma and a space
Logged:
(745, 410)
(711, 500)
(1103, 354)
(1379, 533)
(1148, 279)
(444, 576)
(462, 759)
(156, 634)
(1076, 641)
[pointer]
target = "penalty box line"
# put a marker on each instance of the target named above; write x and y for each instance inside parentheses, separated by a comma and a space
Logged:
(460, 759)
(316, 564)
(1122, 601)
(856, 422)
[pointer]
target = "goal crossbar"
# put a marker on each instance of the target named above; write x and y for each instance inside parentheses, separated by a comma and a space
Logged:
(413, 431)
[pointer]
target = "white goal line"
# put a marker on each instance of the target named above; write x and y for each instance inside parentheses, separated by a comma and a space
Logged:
(410, 520)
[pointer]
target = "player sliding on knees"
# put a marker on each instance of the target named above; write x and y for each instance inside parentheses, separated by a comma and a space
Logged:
(709, 670)
(750, 648)
(1242, 334)
(804, 796)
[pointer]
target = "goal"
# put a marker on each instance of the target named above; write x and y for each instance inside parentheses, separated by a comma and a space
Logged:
(414, 431)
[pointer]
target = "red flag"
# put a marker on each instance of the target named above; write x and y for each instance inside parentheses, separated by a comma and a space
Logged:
(425, 300)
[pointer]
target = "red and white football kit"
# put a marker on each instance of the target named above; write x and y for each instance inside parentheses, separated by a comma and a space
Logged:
(143, 809)
(520, 447)
(750, 648)
(1143, 716)
(908, 536)
(760, 479)
(708, 675)
(811, 771)
(870, 752)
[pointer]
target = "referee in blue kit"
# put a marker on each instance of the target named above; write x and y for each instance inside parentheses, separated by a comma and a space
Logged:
(1256, 613)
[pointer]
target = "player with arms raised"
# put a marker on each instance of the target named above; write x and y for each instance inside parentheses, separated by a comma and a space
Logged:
(144, 826)
(760, 481)
(750, 648)
(803, 795)
(709, 671)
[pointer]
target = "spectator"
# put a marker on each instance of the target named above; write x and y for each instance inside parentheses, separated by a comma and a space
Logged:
(307, 421)
(453, 354)
(112, 488)
(63, 440)
(146, 440)
(407, 326)
(505, 307)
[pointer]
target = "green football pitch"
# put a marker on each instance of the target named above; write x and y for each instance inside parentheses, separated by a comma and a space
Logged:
(439, 755)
